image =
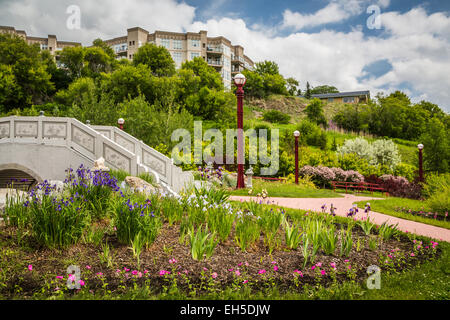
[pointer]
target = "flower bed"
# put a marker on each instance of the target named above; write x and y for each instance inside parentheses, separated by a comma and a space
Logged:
(196, 243)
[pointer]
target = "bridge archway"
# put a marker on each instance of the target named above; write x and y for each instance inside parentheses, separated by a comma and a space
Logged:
(18, 176)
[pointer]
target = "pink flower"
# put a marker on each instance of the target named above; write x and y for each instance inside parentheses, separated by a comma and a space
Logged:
(88, 267)
(99, 274)
(145, 271)
(262, 271)
(30, 267)
(118, 271)
(346, 260)
(246, 264)
(204, 269)
(298, 272)
(214, 275)
(323, 272)
(173, 261)
(59, 277)
(126, 269)
(275, 268)
(245, 281)
(239, 264)
(231, 269)
(163, 272)
(238, 273)
(333, 265)
(412, 254)
(319, 264)
(134, 272)
(313, 267)
(82, 283)
(274, 262)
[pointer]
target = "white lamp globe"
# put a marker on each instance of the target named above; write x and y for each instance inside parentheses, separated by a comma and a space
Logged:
(420, 146)
(296, 133)
(239, 79)
(120, 121)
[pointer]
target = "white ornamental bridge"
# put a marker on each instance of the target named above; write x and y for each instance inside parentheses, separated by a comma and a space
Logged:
(42, 148)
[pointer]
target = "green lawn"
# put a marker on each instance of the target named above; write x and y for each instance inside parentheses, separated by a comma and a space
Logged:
(388, 206)
(286, 190)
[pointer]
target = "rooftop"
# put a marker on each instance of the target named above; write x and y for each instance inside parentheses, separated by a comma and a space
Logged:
(342, 94)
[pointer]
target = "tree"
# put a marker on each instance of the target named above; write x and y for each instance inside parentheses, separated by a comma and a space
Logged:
(25, 80)
(72, 59)
(157, 58)
(308, 91)
(128, 82)
(324, 89)
(267, 67)
(315, 112)
(436, 151)
(105, 47)
(254, 85)
(97, 60)
(208, 76)
(59, 76)
(292, 86)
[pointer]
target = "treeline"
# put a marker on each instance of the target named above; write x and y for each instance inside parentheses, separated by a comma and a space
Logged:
(395, 116)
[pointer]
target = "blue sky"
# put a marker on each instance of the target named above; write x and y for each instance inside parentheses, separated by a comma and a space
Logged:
(329, 42)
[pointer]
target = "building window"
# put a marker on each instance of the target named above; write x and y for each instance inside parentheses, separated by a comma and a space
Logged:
(349, 99)
(195, 43)
(177, 57)
(194, 54)
(330, 99)
(177, 44)
(226, 50)
(226, 62)
(165, 43)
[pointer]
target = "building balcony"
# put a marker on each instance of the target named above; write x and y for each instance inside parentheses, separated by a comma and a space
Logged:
(214, 49)
(216, 63)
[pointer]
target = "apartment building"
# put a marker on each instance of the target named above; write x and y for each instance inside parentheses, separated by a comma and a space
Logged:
(218, 52)
(51, 43)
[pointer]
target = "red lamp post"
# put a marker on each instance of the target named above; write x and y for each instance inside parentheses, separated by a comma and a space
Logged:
(239, 81)
(296, 135)
(420, 147)
(120, 122)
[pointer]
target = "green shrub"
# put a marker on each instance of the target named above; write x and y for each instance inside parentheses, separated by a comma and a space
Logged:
(311, 134)
(202, 243)
(440, 201)
(275, 116)
(435, 183)
(136, 218)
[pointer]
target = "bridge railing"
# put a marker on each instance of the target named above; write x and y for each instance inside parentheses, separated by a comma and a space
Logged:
(161, 164)
(61, 131)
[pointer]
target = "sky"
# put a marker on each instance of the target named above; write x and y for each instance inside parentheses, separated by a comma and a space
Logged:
(376, 45)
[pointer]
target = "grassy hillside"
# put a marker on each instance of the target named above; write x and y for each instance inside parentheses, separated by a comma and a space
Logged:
(295, 106)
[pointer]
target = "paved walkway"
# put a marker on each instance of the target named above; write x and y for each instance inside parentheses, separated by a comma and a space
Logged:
(345, 203)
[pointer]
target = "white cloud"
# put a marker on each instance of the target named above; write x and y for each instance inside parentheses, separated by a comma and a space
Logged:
(335, 11)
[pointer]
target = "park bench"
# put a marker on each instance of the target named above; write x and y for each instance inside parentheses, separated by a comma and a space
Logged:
(358, 186)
